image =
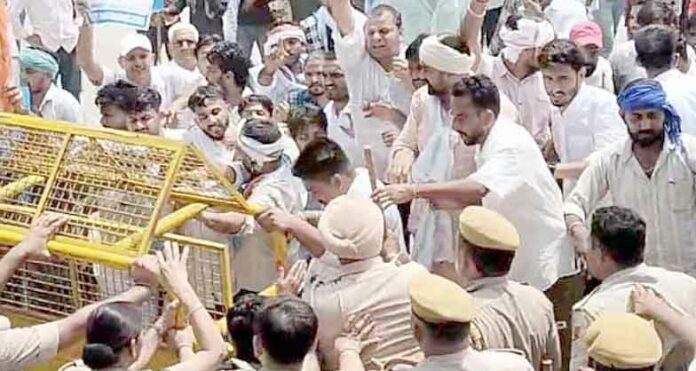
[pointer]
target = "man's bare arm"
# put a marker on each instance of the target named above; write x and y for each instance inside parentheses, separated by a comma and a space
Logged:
(85, 56)
(342, 13)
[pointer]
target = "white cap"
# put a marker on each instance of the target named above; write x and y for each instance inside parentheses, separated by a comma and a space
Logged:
(134, 41)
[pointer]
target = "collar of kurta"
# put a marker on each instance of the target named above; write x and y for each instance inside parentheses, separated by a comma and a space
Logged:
(485, 282)
(628, 155)
(616, 276)
(50, 96)
(362, 266)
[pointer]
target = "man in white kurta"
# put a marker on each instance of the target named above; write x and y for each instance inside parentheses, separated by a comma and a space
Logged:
(511, 178)
(272, 185)
(619, 278)
(370, 76)
(585, 119)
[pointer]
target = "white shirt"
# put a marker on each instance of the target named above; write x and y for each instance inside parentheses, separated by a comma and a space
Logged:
(55, 21)
(603, 76)
(341, 130)
(520, 187)
(624, 64)
(362, 188)
(590, 123)
(60, 105)
(564, 15)
(367, 81)
(166, 80)
(253, 261)
(613, 295)
(681, 93)
(666, 200)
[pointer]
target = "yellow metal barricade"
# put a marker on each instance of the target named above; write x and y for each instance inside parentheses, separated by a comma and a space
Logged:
(120, 191)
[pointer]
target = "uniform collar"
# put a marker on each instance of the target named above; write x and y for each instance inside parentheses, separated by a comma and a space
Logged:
(627, 152)
(450, 358)
(616, 276)
(485, 282)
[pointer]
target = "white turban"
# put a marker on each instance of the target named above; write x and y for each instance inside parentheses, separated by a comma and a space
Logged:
(277, 38)
(257, 151)
(529, 34)
(352, 228)
(441, 57)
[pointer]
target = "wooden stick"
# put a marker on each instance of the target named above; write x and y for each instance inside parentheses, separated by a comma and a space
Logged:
(370, 165)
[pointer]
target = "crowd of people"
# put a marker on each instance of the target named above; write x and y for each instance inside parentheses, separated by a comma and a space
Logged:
(465, 185)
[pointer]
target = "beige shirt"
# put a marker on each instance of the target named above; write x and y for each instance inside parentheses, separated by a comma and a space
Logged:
(666, 200)
(473, 360)
(512, 315)
(28, 346)
(529, 96)
(613, 296)
(369, 286)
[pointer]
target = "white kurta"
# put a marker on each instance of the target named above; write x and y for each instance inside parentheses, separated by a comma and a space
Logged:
(367, 81)
(564, 15)
(510, 165)
(340, 129)
(253, 260)
(681, 93)
(60, 105)
(603, 76)
(589, 124)
(666, 200)
(613, 296)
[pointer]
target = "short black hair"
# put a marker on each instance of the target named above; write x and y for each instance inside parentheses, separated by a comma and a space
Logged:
(562, 51)
(120, 94)
(320, 160)
(621, 234)
(483, 92)
(262, 131)
(413, 50)
(229, 57)
(203, 93)
(287, 327)
(656, 46)
(263, 100)
(301, 117)
(240, 325)
(451, 332)
(656, 12)
(381, 9)
(146, 98)
(489, 262)
(207, 40)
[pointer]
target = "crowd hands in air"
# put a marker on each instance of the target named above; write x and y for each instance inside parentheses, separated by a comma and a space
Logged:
(528, 201)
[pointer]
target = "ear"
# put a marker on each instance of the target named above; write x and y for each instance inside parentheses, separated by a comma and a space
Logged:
(133, 348)
(336, 181)
(122, 62)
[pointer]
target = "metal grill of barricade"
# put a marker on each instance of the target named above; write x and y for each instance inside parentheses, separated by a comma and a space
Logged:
(120, 191)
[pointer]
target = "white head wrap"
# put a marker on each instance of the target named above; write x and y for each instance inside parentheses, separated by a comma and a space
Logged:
(441, 57)
(278, 37)
(529, 34)
(352, 228)
(257, 151)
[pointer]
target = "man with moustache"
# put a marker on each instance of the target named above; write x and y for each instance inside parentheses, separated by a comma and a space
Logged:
(585, 119)
(315, 92)
(511, 178)
(651, 173)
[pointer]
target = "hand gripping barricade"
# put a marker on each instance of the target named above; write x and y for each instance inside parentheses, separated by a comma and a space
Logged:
(123, 194)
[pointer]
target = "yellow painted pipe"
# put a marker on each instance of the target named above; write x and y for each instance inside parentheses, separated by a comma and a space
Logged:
(165, 225)
(13, 189)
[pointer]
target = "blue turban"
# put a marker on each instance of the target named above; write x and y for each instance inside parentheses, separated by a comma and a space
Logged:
(646, 95)
(38, 60)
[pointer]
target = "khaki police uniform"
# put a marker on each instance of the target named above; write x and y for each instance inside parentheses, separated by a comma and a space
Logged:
(28, 346)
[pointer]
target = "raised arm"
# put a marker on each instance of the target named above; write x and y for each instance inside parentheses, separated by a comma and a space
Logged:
(212, 350)
(275, 219)
(85, 55)
(342, 13)
(470, 27)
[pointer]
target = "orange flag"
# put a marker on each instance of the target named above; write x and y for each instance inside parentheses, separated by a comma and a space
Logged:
(5, 53)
